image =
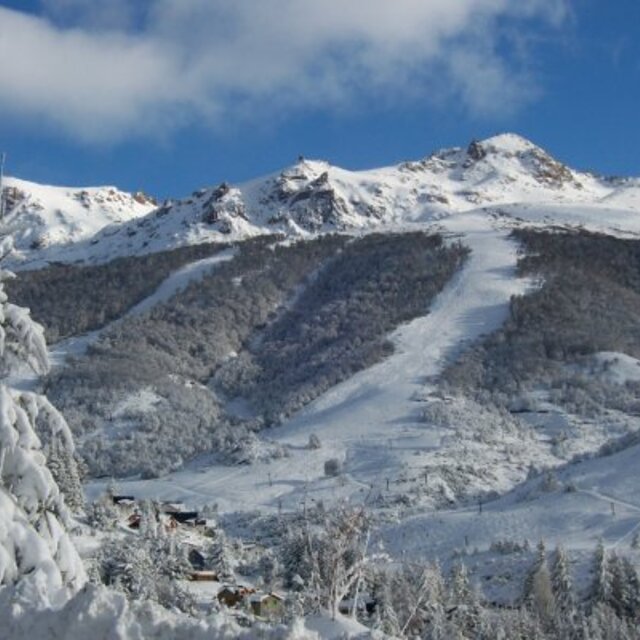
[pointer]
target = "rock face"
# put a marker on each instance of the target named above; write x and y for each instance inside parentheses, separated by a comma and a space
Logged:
(310, 202)
(476, 151)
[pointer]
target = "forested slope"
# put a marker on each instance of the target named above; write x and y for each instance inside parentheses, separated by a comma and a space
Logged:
(586, 301)
(71, 299)
(275, 327)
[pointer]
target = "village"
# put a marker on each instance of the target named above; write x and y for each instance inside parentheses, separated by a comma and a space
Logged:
(211, 583)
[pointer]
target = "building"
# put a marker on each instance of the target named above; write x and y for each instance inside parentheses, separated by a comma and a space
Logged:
(233, 595)
(267, 605)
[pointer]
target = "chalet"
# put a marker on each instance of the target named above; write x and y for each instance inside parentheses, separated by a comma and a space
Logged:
(188, 518)
(172, 507)
(196, 559)
(204, 576)
(232, 596)
(266, 605)
(134, 520)
(123, 500)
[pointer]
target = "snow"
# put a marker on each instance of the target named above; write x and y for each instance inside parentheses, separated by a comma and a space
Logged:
(577, 512)
(47, 216)
(612, 367)
(180, 280)
(96, 612)
(77, 346)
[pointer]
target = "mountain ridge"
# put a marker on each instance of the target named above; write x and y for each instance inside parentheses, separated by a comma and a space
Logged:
(313, 196)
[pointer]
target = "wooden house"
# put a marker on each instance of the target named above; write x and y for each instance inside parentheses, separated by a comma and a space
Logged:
(232, 596)
(188, 518)
(134, 520)
(126, 505)
(196, 559)
(172, 507)
(204, 576)
(266, 605)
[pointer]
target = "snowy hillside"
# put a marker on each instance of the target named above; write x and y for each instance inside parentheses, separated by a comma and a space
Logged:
(313, 196)
(44, 218)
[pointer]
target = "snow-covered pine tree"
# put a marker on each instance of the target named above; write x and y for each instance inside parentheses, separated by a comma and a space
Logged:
(34, 544)
(538, 589)
(64, 470)
(631, 597)
(601, 585)
(385, 618)
(219, 555)
(463, 601)
(562, 585)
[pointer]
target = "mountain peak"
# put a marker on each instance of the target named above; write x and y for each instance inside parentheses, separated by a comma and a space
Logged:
(508, 143)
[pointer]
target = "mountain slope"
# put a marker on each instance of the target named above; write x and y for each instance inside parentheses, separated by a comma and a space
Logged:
(313, 196)
(44, 218)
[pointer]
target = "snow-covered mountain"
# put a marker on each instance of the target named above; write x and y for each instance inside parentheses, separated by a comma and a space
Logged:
(310, 197)
(497, 408)
(45, 218)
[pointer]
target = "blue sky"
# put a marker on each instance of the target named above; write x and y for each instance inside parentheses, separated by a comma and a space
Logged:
(171, 95)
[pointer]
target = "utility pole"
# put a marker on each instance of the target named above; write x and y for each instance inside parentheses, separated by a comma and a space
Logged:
(3, 158)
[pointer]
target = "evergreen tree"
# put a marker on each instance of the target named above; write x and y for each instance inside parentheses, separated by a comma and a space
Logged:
(561, 583)
(34, 543)
(566, 613)
(601, 583)
(64, 469)
(385, 618)
(219, 555)
(631, 598)
(539, 595)
(463, 601)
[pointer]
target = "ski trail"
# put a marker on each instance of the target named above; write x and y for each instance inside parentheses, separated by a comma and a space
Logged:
(77, 346)
(615, 501)
(380, 397)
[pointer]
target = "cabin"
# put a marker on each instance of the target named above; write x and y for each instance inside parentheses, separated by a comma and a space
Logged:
(134, 520)
(196, 560)
(266, 605)
(232, 596)
(172, 507)
(123, 500)
(186, 517)
(204, 576)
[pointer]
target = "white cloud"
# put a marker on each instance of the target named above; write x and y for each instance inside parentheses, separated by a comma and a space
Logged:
(102, 70)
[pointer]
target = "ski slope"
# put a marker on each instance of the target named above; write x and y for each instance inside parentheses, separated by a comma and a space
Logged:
(371, 422)
(593, 500)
